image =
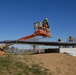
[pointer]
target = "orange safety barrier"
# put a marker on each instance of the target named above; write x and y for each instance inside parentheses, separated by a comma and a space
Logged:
(1, 52)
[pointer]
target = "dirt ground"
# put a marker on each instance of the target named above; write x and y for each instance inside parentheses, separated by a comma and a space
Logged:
(57, 63)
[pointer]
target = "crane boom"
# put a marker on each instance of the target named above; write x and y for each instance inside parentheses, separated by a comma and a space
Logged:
(40, 32)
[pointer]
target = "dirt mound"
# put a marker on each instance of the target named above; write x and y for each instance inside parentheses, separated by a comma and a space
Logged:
(58, 64)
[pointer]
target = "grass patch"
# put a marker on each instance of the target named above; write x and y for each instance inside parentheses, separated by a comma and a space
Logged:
(11, 66)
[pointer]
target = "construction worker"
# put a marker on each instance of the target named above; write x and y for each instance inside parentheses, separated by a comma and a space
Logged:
(70, 38)
(45, 21)
(46, 25)
(59, 40)
(1, 51)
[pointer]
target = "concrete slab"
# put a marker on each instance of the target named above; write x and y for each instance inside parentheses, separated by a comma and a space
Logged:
(68, 50)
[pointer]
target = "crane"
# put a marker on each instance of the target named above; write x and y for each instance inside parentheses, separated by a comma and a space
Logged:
(40, 29)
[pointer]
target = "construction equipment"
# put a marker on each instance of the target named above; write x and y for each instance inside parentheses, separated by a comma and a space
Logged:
(39, 30)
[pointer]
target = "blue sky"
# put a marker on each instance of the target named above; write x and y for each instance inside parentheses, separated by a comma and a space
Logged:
(17, 17)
